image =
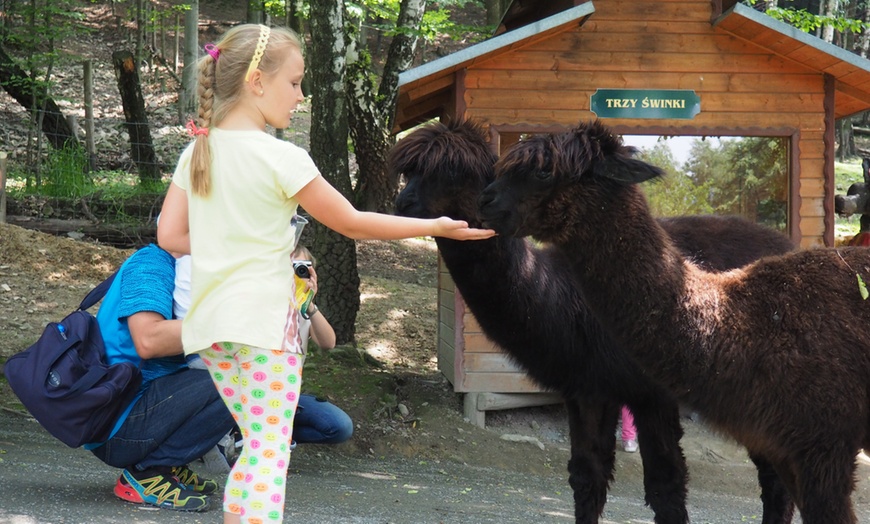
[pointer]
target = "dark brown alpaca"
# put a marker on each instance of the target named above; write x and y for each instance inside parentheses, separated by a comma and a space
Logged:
(775, 354)
(526, 301)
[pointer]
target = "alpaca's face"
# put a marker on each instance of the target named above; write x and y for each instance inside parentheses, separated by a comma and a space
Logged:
(444, 169)
(549, 185)
(530, 189)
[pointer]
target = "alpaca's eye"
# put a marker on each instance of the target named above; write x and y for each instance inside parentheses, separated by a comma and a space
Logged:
(542, 174)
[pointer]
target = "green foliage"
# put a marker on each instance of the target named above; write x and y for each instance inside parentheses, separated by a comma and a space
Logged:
(383, 15)
(65, 173)
(809, 22)
(675, 193)
(742, 176)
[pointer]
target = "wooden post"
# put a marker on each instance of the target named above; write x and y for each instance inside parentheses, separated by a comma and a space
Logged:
(2, 187)
(89, 114)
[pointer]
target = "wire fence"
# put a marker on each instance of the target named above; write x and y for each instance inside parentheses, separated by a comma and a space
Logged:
(97, 115)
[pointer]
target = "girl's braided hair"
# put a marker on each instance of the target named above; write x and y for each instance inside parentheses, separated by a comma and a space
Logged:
(220, 84)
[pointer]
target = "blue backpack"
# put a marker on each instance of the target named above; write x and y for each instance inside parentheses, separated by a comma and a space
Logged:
(64, 382)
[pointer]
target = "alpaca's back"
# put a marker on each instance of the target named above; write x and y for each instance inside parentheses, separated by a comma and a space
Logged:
(719, 243)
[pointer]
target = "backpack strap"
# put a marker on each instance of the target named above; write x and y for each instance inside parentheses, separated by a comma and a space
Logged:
(98, 292)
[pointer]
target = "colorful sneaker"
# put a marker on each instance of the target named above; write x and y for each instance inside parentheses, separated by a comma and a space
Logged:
(193, 481)
(158, 487)
(630, 446)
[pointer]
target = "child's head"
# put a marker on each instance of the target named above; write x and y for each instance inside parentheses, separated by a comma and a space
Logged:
(227, 71)
(302, 253)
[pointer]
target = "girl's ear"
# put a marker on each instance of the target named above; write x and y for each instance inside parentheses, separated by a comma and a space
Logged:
(255, 82)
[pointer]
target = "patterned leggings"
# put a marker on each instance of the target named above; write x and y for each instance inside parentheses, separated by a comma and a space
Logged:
(261, 388)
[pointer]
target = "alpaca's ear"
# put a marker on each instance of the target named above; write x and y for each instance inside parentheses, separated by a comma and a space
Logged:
(625, 169)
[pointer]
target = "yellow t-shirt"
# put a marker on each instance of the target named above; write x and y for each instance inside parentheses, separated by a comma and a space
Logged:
(241, 239)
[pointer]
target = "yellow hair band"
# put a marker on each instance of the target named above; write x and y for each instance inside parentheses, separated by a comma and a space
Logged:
(258, 52)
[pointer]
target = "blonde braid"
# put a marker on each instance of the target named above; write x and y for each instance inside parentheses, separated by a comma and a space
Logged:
(200, 163)
(221, 82)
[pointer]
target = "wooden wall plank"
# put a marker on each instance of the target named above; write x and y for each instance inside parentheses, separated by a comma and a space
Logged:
(643, 11)
(485, 99)
(711, 120)
(634, 42)
(812, 188)
(589, 80)
(479, 343)
(812, 207)
(618, 61)
(498, 383)
(447, 354)
(491, 363)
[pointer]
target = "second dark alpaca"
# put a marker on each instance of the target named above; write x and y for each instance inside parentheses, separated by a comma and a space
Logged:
(526, 301)
(775, 354)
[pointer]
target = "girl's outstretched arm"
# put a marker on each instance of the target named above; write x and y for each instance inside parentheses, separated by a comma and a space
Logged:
(173, 231)
(331, 209)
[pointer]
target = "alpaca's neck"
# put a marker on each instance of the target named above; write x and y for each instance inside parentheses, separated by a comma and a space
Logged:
(513, 289)
(633, 280)
(489, 271)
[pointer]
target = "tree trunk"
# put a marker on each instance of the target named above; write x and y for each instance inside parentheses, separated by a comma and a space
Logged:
(141, 146)
(493, 11)
(372, 116)
(830, 10)
(20, 86)
(188, 100)
(846, 147)
(255, 12)
(294, 19)
(338, 296)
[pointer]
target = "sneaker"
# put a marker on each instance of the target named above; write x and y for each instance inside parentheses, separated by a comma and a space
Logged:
(158, 487)
(630, 446)
(193, 481)
(215, 461)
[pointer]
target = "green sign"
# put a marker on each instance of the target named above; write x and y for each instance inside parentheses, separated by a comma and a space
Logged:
(645, 103)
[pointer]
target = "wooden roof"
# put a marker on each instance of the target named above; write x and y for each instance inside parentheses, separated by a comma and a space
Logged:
(851, 71)
(426, 90)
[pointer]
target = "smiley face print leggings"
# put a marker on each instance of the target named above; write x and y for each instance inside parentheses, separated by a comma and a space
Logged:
(261, 388)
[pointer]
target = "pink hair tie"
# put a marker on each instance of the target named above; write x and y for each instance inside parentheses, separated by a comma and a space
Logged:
(213, 51)
(195, 131)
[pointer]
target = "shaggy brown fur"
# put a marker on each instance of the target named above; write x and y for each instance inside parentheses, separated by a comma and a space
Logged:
(525, 299)
(775, 354)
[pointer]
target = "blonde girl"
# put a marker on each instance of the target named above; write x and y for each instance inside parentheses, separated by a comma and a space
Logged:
(230, 204)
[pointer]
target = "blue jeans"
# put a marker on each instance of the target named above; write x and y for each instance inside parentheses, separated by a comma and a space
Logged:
(177, 420)
(320, 422)
(316, 422)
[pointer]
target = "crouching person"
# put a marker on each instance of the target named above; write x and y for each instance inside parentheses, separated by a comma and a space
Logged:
(178, 414)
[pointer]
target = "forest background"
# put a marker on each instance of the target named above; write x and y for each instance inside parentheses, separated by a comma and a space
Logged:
(55, 58)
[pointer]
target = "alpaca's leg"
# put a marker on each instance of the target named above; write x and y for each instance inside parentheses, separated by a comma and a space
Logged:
(592, 427)
(665, 474)
(777, 506)
(825, 485)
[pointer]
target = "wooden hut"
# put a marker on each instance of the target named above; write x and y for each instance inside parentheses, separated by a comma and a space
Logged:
(720, 68)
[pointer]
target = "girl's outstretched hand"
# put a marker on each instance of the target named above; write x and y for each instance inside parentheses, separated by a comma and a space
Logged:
(459, 230)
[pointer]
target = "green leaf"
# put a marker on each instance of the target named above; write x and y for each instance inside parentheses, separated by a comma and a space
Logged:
(862, 287)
